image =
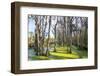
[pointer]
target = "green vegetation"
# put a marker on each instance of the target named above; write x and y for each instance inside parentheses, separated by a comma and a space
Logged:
(61, 53)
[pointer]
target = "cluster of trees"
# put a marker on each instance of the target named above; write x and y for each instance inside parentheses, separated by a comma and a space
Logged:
(59, 31)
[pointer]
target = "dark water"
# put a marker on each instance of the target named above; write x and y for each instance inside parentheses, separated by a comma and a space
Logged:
(32, 53)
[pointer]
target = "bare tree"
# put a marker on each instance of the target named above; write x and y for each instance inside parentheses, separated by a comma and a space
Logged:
(36, 35)
(47, 51)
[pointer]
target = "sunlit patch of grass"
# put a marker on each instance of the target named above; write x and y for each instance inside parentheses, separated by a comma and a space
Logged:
(71, 56)
(40, 58)
(61, 48)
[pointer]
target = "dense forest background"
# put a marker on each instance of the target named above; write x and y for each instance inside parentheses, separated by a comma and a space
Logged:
(57, 37)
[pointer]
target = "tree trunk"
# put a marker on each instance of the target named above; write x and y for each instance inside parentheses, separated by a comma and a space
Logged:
(65, 28)
(47, 51)
(55, 39)
(43, 36)
(37, 43)
(37, 36)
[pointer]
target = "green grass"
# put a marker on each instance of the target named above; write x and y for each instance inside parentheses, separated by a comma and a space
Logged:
(82, 53)
(64, 56)
(61, 53)
(40, 58)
